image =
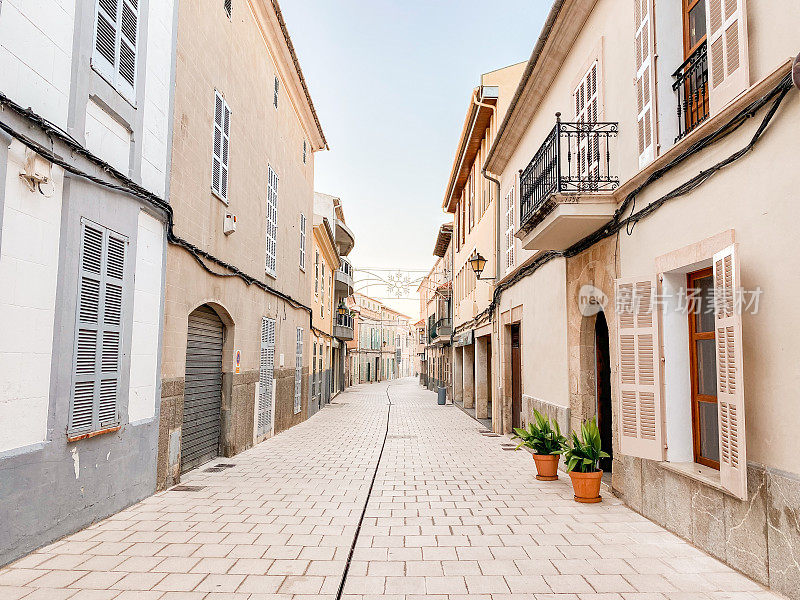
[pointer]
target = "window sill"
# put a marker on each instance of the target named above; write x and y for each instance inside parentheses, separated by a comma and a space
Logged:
(219, 197)
(92, 434)
(698, 472)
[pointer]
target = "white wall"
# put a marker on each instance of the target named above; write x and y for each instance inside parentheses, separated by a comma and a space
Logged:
(29, 270)
(36, 55)
(155, 153)
(107, 138)
(146, 318)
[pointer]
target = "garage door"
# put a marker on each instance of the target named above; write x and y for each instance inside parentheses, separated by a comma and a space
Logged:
(202, 400)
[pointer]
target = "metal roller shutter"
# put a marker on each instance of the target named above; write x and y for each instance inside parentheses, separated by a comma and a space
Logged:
(202, 401)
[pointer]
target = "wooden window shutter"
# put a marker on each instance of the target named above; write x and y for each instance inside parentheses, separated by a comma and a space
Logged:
(730, 389)
(728, 64)
(265, 376)
(639, 417)
(645, 80)
(272, 222)
(128, 30)
(98, 337)
(104, 55)
(298, 371)
(221, 153)
(303, 241)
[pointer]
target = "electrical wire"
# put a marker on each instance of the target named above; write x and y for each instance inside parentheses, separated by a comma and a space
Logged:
(132, 188)
(617, 223)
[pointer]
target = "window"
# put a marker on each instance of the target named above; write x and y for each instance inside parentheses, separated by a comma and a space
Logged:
(272, 222)
(115, 34)
(219, 164)
(298, 371)
(703, 367)
(228, 7)
(265, 375)
(587, 147)
(645, 80)
(302, 242)
(703, 395)
(275, 95)
(322, 292)
(693, 73)
(98, 339)
(305, 151)
(316, 272)
(510, 253)
(472, 198)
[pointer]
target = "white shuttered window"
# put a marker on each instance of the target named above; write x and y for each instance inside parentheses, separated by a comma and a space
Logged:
(303, 242)
(587, 147)
(219, 164)
(298, 371)
(510, 253)
(265, 376)
(729, 69)
(116, 29)
(98, 338)
(730, 389)
(272, 222)
(645, 79)
(640, 420)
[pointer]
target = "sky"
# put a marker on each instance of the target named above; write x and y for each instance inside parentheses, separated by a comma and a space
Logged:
(391, 82)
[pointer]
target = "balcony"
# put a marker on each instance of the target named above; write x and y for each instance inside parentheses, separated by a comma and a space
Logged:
(442, 330)
(566, 191)
(691, 88)
(344, 279)
(343, 327)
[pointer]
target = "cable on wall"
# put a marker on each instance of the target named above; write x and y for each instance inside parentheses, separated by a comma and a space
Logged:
(617, 223)
(134, 189)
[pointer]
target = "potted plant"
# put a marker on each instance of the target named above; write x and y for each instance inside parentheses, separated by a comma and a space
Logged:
(546, 442)
(583, 458)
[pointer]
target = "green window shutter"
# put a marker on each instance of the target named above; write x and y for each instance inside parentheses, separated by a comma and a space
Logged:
(98, 338)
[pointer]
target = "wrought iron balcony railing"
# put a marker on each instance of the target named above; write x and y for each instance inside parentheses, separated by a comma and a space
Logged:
(575, 157)
(691, 87)
(344, 320)
(345, 267)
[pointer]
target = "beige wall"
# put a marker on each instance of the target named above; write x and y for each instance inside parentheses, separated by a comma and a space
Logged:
(233, 57)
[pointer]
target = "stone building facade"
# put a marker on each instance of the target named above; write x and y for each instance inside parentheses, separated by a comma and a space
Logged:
(236, 355)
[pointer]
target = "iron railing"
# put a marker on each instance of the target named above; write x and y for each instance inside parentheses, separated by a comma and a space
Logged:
(344, 320)
(575, 157)
(345, 267)
(691, 87)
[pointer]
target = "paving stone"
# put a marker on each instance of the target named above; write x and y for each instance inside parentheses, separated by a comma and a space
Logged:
(451, 517)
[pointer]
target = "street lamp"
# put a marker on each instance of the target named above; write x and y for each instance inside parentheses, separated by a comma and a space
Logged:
(478, 264)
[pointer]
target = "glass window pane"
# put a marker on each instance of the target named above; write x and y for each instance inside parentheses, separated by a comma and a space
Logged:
(704, 307)
(706, 367)
(709, 434)
(697, 23)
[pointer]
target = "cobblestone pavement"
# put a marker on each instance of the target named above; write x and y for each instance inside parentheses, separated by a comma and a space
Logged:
(452, 516)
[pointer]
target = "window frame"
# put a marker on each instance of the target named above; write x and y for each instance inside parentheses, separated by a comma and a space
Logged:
(696, 396)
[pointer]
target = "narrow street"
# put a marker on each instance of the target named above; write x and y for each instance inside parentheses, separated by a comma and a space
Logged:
(452, 514)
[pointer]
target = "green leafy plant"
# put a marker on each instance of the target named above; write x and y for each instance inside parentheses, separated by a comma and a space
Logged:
(584, 454)
(541, 436)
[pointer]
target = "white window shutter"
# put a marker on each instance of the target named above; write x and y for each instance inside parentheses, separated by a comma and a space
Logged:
(510, 240)
(265, 376)
(728, 64)
(303, 242)
(730, 388)
(645, 80)
(272, 222)
(221, 149)
(98, 338)
(104, 55)
(298, 372)
(128, 34)
(640, 417)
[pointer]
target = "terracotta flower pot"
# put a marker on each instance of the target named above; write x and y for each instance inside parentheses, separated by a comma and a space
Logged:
(546, 466)
(586, 486)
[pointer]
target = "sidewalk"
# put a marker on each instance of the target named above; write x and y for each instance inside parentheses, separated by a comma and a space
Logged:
(452, 516)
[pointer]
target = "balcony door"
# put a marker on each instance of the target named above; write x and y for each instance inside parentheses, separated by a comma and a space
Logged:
(587, 146)
(695, 90)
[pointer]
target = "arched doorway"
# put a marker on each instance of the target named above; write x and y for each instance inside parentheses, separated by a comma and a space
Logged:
(603, 385)
(202, 399)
